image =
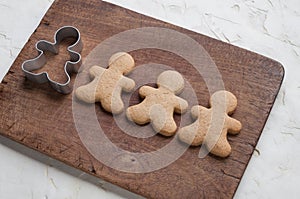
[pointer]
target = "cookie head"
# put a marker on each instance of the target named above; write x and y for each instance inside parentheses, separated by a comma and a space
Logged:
(224, 97)
(171, 80)
(122, 62)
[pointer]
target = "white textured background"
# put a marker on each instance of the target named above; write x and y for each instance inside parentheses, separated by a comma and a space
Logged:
(268, 27)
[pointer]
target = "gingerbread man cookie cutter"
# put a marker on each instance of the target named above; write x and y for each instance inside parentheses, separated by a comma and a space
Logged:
(71, 66)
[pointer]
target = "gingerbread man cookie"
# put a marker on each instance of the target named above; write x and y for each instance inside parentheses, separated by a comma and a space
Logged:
(213, 124)
(160, 104)
(107, 84)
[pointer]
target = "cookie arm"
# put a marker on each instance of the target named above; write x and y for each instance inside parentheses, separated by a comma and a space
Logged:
(146, 90)
(96, 71)
(87, 93)
(195, 111)
(181, 105)
(126, 84)
(234, 126)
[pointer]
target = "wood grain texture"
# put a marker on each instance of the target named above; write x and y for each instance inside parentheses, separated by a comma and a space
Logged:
(41, 119)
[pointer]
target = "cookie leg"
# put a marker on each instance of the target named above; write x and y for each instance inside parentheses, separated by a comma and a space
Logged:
(162, 120)
(113, 103)
(117, 104)
(138, 114)
(218, 146)
(169, 128)
(192, 134)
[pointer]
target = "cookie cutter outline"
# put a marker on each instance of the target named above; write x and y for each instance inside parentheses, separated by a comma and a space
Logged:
(71, 66)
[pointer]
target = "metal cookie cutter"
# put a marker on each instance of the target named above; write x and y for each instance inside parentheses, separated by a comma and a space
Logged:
(70, 66)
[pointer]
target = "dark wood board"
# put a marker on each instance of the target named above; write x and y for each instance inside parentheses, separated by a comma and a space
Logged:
(41, 119)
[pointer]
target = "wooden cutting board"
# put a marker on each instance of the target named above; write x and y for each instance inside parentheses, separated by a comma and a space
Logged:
(41, 119)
